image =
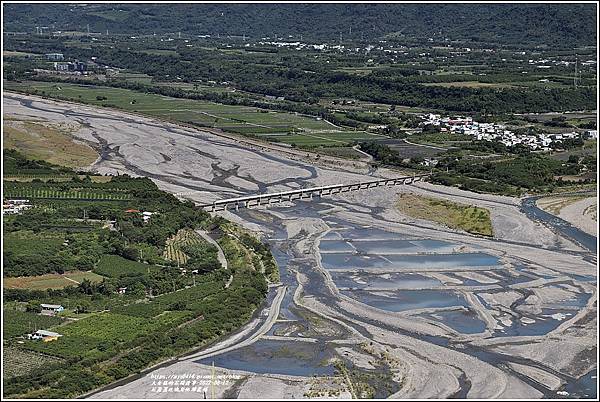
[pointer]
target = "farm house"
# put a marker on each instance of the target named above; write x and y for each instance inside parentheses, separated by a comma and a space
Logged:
(51, 309)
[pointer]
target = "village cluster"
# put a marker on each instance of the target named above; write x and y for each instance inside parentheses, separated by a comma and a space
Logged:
(499, 132)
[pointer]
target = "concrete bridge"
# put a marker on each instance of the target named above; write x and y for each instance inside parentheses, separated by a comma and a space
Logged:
(306, 193)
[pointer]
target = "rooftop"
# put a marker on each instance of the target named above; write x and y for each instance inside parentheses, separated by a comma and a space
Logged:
(52, 306)
(43, 332)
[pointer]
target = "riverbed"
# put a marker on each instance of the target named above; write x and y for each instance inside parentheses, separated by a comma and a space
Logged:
(407, 307)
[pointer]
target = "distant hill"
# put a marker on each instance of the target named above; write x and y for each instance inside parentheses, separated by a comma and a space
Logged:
(538, 24)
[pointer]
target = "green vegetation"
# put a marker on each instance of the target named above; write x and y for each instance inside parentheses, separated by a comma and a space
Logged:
(512, 175)
(568, 25)
(506, 173)
(261, 254)
(16, 164)
(328, 97)
(27, 253)
(114, 266)
(469, 218)
(134, 308)
(17, 323)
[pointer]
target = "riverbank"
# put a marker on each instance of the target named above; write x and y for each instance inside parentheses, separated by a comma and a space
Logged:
(580, 210)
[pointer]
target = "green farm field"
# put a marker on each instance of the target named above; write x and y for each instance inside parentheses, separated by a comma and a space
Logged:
(114, 266)
(17, 323)
(86, 337)
(315, 139)
(306, 130)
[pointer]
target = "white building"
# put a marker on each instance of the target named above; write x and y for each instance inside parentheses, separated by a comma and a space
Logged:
(51, 309)
(147, 215)
(44, 335)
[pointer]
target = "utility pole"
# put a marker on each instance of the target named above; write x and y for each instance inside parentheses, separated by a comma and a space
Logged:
(212, 381)
(575, 77)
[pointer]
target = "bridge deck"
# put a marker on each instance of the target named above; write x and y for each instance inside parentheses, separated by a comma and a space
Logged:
(310, 192)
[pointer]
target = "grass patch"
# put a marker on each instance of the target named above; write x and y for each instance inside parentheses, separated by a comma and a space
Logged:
(40, 140)
(469, 218)
(114, 266)
(341, 152)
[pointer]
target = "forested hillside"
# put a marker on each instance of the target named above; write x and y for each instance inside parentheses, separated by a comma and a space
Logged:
(543, 24)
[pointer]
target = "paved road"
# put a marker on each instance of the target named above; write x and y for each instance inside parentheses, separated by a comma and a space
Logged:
(220, 254)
